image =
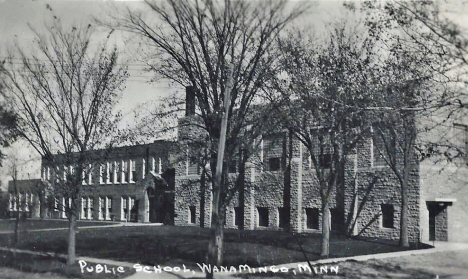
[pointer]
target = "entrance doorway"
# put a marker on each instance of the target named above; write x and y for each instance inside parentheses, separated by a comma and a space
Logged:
(438, 227)
(161, 205)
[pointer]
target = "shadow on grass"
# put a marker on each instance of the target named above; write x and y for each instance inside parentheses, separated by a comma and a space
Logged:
(174, 246)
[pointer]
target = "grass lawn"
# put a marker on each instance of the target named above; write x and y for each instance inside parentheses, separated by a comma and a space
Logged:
(169, 245)
(34, 224)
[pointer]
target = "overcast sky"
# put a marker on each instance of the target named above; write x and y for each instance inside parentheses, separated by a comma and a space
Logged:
(15, 15)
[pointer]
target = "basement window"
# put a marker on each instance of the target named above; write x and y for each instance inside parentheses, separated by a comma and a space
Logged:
(262, 216)
(238, 216)
(192, 214)
(312, 218)
(387, 215)
(283, 213)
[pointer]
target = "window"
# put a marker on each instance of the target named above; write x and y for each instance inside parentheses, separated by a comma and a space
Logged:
(84, 208)
(124, 172)
(387, 215)
(238, 216)
(262, 216)
(193, 167)
(108, 211)
(90, 175)
(64, 173)
(124, 209)
(102, 208)
(312, 218)
(56, 203)
(192, 214)
(26, 202)
(153, 164)
(274, 164)
(461, 140)
(133, 174)
(159, 166)
(91, 208)
(83, 176)
(232, 166)
(283, 214)
(110, 172)
(103, 174)
(143, 167)
(10, 202)
(325, 161)
(117, 172)
(63, 207)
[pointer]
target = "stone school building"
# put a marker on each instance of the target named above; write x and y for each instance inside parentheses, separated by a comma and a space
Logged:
(145, 183)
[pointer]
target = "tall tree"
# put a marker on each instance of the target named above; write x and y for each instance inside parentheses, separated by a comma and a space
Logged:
(322, 91)
(425, 59)
(63, 90)
(8, 122)
(192, 42)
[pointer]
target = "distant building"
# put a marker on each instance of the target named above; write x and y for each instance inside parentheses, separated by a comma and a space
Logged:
(24, 198)
(131, 183)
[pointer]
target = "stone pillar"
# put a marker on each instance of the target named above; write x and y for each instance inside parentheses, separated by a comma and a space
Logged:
(351, 198)
(144, 210)
(208, 197)
(249, 197)
(296, 187)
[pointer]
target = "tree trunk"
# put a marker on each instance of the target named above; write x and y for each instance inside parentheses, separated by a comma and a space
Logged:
(325, 241)
(71, 239)
(215, 246)
(17, 220)
(404, 216)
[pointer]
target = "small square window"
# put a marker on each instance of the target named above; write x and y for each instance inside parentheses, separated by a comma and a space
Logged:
(387, 215)
(262, 216)
(312, 218)
(274, 164)
(325, 161)
(232, 166)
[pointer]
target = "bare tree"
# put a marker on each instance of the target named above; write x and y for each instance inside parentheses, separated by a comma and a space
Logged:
(63, 92)
(8, 122)
(192, 42)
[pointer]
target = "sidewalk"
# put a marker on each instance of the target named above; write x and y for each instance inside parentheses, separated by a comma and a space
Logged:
(121, 224)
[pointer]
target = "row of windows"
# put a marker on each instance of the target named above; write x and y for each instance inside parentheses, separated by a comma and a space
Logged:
(129, 208)
(324, 160)
(20, 203)
(110, 172)
(312, 217)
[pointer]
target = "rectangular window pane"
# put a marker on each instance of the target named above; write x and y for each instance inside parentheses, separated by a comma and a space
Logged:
(262, 216)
